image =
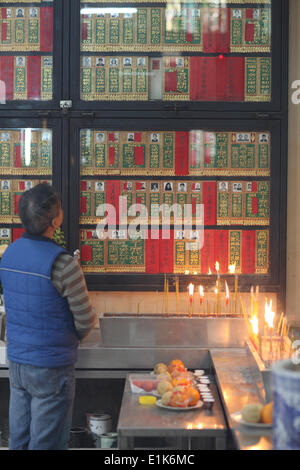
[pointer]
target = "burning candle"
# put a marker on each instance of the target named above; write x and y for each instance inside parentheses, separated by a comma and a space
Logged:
(227, 296)
(191, 298)
(269, 319)
(201, 295)
(255, 328)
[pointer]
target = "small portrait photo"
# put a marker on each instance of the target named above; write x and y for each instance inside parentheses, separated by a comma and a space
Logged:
(196, 13)
(197, 187)
(114, 62)
(99, 186)
(168, 186)
(179, 235)
(263, 138)
(28, 185)
(20, 13)
(194, 235)
(179, 61)
(100, 61)
(5, 136)
(130, 137)
(129, 186)
(47, 61)
(122, 234)
(223, 186)
(127, 62)
(243, 138)
(114, 14)
(33, 12)
(155, 138)
(20, 61)
(249, 187)
(94, 235)
(115, 235)
(4, 233)
(100, 138)
(182, 187)
(8, 13)
(141, 186)
(237, 13)
(5, 185)
(101, 15)
(154, 187)
(141, 61)
(237, 187)
(87, 61)
(256, 14)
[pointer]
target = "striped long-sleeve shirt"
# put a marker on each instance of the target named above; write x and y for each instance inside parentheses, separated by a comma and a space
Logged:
(68, 279)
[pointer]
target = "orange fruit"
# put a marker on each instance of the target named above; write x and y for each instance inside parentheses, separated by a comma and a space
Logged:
(179, 399)
(175, 364)
(180, 381)
(267, 413)
(194, 396)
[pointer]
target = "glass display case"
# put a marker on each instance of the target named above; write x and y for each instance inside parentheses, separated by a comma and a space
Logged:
(182, 51)
(150, 106)
(25, 161)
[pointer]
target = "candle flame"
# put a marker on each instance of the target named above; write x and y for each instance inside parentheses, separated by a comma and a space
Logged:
(201, 291)
(269, 315)
(231, 268)
(254, 323)
(217, 266)
(187, 273)
(227, 290)
(209, 271)
(191, 289)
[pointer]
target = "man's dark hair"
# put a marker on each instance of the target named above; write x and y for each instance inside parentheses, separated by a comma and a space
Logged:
(38, 207)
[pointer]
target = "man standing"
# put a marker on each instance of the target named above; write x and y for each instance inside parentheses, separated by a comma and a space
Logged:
(48, 313)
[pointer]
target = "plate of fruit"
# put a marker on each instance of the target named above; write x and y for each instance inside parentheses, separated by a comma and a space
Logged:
(176, 387)
(255, 415)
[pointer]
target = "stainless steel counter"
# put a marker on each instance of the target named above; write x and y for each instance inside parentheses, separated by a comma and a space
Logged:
(237, 376)
(240, 382)
(136, 420)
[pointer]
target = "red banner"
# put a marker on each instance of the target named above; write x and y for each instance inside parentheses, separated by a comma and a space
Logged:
(139, 155)
(34, 77)
(152, 255)
(182, 154)
(170, 81)
(207, 252)
(203, 72)
(249, 32)
(83, 205)
(7, 76)
(18, 158)
(254, 206)
(46, 29)
(17, 200)
(166, 253)
(221, 249)
(248, 252)
(86, 253)
(209, 199)
(111, 156)
(112, 197)
(4, 32)
(234, 79)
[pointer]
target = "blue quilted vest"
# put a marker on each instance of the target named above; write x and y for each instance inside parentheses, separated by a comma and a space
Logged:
(40, 326)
